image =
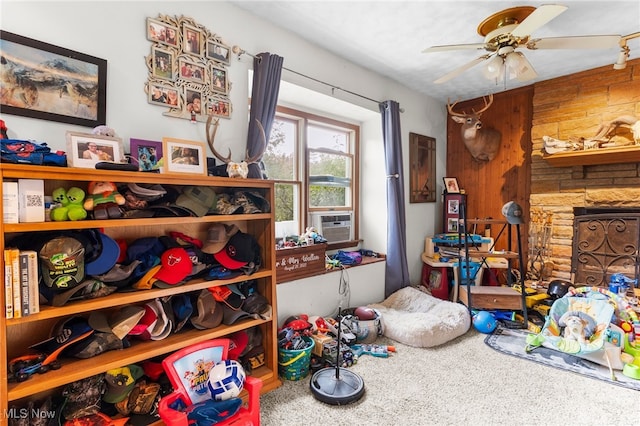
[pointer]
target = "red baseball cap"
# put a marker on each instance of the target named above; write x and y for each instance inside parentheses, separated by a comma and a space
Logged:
(241, 249)
(176, 266)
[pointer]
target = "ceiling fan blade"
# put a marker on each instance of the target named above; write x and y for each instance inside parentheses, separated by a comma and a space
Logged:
(456, 72)
(537, 19)
(526, 71)
(477, 46)
(576, 42)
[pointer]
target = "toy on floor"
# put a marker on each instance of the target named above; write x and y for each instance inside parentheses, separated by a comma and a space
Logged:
(484, 322)
(594, 324)
(379, 351)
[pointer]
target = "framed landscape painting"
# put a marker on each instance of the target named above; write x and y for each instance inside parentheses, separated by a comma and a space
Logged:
(40, 80)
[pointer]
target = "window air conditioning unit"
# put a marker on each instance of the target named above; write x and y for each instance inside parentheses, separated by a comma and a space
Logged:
(334, 227)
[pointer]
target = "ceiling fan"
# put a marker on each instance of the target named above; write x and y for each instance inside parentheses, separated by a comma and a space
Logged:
(506, 31)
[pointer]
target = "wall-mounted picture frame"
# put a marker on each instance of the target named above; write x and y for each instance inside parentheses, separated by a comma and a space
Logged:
(162, 65)
(146, 154)
(73, 92)
(85, 149)
(451, 185)
(161, 32)
(192, 71)
(219, 80)
(422, 157)
(194, 101)
(184, 156)
(218, 107)
(218, 51)
(192, 40)
(167, 96)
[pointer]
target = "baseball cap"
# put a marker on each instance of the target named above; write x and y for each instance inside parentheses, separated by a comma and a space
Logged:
(238, 343)
(175, 266)
(120, 323)
(162, 327)
(198, 199)
(62, 263)
(87, 289)
(231, 316)
(240, 250)
(143, 328)
(120, 382)
(63, 334)
(96, 344)
(106, 258)
(209, 312)
(182, 310)
(120, 275)
(218, 236)
(226, 295)
(512, 212)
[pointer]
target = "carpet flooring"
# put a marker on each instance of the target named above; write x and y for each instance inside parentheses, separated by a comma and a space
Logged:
(512, 342)
(461, 382)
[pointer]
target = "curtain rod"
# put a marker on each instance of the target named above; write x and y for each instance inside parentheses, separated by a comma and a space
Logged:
(239, 51)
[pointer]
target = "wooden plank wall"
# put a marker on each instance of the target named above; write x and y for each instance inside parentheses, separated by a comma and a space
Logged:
(489, 185)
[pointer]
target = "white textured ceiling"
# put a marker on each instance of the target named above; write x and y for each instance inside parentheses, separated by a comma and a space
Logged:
(389, 36)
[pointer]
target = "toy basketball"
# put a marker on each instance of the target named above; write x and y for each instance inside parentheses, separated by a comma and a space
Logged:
(484, 322)
(226, 380)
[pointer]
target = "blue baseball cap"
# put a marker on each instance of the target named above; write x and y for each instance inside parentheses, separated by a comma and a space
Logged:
(107, 258)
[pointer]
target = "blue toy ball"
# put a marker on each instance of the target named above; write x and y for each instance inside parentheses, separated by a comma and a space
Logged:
(484, 322)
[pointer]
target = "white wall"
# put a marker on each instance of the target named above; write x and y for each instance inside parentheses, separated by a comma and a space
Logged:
(116, 31)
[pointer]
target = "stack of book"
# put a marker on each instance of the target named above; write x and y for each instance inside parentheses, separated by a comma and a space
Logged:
(21, 295)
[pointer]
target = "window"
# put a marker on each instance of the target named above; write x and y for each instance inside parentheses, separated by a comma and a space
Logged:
(314, 163)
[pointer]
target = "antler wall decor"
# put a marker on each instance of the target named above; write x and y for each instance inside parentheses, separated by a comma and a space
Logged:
(234, 170)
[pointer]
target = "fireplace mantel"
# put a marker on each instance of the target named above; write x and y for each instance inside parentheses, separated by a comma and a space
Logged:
(622, 154)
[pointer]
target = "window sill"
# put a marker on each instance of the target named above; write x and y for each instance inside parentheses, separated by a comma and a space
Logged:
(365, 261)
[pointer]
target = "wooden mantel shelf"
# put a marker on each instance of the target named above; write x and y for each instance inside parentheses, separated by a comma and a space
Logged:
(622, 154)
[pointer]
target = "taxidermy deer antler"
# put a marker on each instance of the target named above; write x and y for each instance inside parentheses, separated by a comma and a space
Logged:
(234, 169)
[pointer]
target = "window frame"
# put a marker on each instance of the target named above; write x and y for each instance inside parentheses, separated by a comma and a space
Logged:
(301, 151)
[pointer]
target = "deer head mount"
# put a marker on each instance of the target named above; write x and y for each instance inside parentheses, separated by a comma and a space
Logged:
(235, 170)
(482, 143)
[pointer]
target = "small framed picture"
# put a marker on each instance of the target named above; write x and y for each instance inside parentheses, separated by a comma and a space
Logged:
(191, 40)
(219, 107)
(146, 154)
(452, 225)
(453, 206)
(162, 95)
(162, 63)
(183, 156)
(218, 51)
(451, 185)
(194, 101)
(85, 149)
(192, 71)
(219, 80)
(161, 32)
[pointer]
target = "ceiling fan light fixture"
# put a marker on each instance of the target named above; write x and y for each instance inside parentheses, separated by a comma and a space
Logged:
(515, 63)
(494, 66)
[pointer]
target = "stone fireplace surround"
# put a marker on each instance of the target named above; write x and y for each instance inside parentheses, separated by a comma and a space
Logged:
(575, 106)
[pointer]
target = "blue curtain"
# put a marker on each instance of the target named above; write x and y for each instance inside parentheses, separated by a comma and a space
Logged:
(397, 271)
(267, 69)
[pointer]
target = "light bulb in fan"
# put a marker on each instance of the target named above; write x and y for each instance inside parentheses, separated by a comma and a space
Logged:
(515, 64)
(493, 69)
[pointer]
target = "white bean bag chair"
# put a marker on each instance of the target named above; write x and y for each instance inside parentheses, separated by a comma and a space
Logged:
(416, 318)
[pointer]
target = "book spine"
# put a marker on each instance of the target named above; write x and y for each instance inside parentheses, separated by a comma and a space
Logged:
(8, 287)
(24, 283)
(34, 290)
(15, 282)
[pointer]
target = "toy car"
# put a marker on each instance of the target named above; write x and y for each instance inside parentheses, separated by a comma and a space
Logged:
(23, 367)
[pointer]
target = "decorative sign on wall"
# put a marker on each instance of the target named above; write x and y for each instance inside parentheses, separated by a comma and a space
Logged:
(187, 69)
